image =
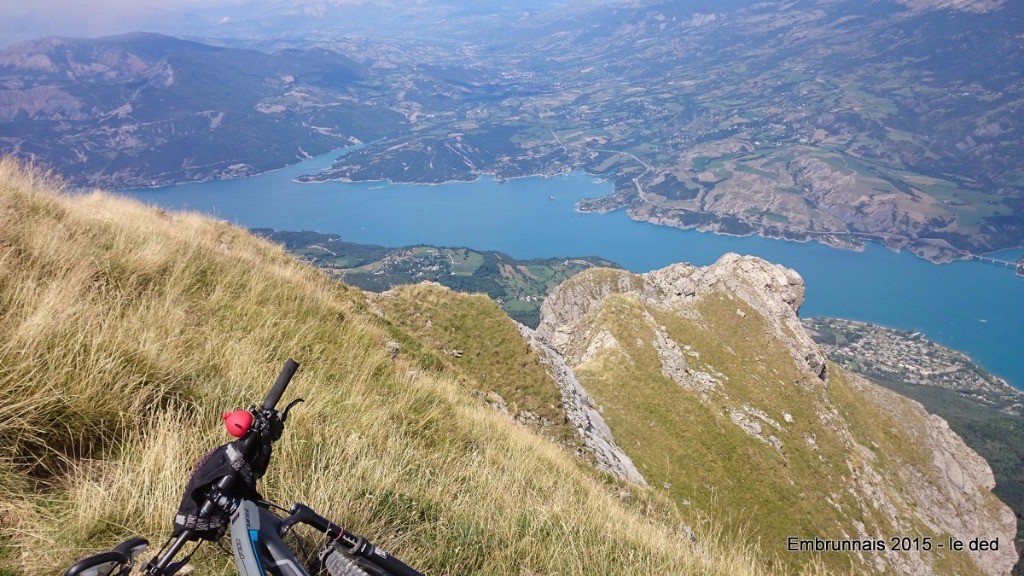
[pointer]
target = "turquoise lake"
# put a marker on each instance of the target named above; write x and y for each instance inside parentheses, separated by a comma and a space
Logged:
(972, 306)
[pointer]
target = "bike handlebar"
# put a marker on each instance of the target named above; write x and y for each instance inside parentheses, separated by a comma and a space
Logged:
(160, 564)
(280, 384)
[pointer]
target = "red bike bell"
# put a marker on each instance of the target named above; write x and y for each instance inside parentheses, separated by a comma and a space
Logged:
(237, 422)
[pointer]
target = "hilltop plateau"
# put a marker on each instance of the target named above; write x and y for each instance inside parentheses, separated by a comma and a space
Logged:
(677, 422)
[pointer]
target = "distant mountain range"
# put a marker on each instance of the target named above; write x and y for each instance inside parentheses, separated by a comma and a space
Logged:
(833, 120)
(838, 121)
(145, 109)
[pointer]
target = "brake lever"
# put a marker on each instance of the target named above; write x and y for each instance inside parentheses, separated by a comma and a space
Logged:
(284, 415)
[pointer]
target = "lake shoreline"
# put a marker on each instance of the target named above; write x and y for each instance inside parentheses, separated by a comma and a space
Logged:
(711, 227)
(961, 304)
(942, 255)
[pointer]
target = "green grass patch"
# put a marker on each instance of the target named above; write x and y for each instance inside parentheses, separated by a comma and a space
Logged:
(866, 104)
(690, 448)
(476, 338)
(743, 167)
(465, 262)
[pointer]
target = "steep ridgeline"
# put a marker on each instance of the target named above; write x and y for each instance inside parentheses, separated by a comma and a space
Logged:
(475, 338)
(718, 395)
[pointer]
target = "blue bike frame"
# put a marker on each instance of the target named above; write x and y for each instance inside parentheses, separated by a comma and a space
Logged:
(257, 545)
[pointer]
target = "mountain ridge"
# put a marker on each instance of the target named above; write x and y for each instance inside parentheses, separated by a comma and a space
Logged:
(625, 334)
(145, 109)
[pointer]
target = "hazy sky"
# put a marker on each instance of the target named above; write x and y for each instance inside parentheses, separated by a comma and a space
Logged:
(23, 20)
(26, 19)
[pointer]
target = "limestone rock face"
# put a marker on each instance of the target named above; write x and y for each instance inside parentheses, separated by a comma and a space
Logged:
(773, 290)
(967, 480)
(950, 492)
(587, 421)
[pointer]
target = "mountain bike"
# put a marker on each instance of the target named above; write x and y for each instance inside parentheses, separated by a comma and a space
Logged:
(221, 495)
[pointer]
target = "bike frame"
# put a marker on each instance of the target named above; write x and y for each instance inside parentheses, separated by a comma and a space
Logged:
(259, 549)
(257, 544)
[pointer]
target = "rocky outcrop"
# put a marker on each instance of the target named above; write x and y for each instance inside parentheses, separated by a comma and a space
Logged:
(867, 463)
(775, 291)
(45, 102)
(597, 437)
(951, 492)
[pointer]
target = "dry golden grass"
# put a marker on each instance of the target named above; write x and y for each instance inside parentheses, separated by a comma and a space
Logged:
(125, 331)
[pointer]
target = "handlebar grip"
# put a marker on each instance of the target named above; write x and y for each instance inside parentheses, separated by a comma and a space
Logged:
(280, 384)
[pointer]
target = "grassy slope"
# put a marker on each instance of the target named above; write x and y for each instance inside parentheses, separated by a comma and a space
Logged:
(124, 332)
(694, 453)
(995, 435)
(484, 348)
